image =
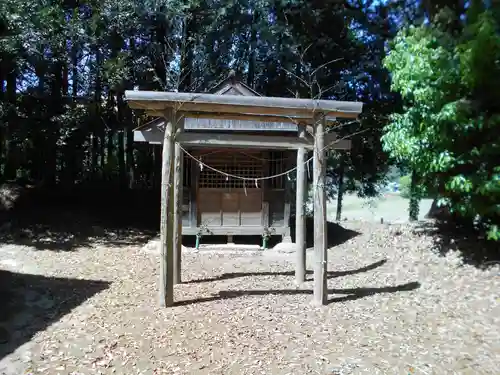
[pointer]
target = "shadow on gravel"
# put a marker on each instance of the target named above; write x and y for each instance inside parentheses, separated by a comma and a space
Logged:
(65, 230)
(30, 303)
(331, 274)
(473, 248)
(65, 220)
(349, 294)
(336, 234)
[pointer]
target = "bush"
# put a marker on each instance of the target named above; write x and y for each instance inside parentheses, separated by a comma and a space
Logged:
(404, 186)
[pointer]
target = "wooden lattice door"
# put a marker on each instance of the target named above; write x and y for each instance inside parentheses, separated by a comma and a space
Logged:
(226, 201)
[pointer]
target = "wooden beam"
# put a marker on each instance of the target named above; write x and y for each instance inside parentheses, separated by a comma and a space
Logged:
(178, 187)
(320, 295)
(207, 139)
(254, 230)
(166, 292)
(241, 140)
(247, 117)
(300, 232)
(200, 102)
(204, 124)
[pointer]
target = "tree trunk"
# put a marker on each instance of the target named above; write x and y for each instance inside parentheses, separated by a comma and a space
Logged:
(38, 137)
(56, 106)
(414, 198)
(437, 212)
(129, 136)
(185, 82)
(97, 128)
(67, 159)
(10, 168)
(3, 71)
(159, 33)
(110, 157)
(109, 135)
(102, 151)
(94, 149)
(76, 161)
(122, 172)
(74, 72)
(252, 50)
(129, 153)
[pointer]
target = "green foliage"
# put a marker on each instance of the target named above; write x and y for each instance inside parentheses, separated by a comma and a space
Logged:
(448, 130)
(404, 186)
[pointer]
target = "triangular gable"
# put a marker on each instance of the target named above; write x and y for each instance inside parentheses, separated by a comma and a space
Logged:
(230, 87)
(230, 90)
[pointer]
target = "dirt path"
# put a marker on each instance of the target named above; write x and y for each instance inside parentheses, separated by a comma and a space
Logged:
(395, 306)
(17, 259)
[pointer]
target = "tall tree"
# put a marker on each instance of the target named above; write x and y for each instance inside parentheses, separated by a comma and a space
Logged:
(448, 131)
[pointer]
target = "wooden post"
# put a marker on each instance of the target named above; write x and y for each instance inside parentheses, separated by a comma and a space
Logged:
(320, 236)
(178, 174)
(193, 190)
(265, 186)
(167, 215)
(300, 242)
(340, 188)
(288, 192)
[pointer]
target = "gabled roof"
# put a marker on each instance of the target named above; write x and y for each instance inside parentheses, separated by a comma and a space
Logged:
(231, 86)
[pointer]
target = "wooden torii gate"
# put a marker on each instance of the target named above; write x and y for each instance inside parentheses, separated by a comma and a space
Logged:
(313, 118)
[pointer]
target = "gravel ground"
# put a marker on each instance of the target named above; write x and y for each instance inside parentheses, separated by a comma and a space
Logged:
(396, 308)
(390, 207)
